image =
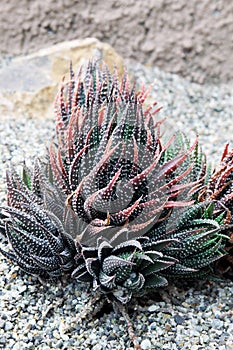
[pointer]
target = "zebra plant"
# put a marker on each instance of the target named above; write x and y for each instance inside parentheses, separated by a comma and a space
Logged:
(114, 204)
(40, 244)
(219, 189)
(110, 162)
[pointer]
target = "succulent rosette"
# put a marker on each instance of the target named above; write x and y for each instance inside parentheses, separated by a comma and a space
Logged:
(113, 203)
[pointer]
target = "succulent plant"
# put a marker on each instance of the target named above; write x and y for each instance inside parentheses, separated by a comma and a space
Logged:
(40, 244)
(219, 190)
(115, 204)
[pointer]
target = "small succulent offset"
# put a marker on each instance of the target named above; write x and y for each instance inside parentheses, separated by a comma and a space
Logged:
(219, 190)
(115, 204)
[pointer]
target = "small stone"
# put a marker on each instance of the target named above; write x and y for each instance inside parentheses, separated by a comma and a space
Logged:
(2, 340)
(194, 347)
(152, 308)
(64, 337)
(8, 326)
(97, 347)
(187, 45)
(216, 323)
(111, 337)
(167, 327)
(56, 334)
(146, 344)
(178, 319)
(92, 336)
(153, 326)
(22, 288)
(205, 338)
(40, 323)
(185, 305)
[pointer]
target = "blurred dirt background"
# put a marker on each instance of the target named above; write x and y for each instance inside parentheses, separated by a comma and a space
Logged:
(191, 38)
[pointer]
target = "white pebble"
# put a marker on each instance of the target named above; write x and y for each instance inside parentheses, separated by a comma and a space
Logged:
(146, 344)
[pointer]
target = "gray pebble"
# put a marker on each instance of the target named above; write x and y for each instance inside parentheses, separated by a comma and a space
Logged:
(216, 323)
(179, 319)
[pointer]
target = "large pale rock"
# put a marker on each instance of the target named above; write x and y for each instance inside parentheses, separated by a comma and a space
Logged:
(29, 84)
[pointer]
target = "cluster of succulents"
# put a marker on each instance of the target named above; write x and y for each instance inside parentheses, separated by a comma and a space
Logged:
(115, 204)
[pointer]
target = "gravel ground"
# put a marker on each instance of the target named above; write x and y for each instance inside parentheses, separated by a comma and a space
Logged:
(191, 317)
